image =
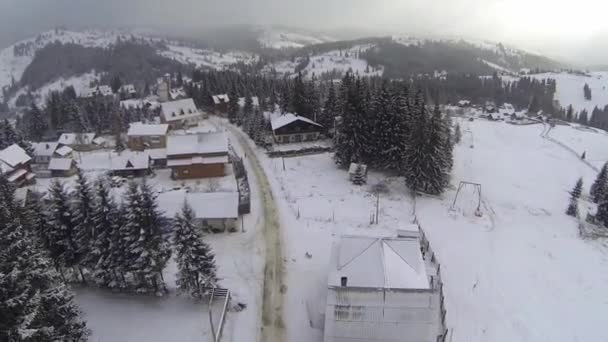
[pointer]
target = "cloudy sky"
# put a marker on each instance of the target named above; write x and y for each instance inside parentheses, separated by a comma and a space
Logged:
(574, 30)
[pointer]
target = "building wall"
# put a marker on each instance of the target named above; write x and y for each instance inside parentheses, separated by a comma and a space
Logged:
(198, 171)
(131, 173)
(140, 143)
(296, 137)
(220, 225)
(64, 173)
(379, 315)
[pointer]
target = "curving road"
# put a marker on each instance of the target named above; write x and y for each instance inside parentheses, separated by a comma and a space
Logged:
(272, 300)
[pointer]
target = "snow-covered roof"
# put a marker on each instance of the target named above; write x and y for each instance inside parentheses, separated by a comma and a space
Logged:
(378, 262)
(128, 160)
(140, 129)
(64, 151)
(44, 149)
(14, 156)
(254, 100)
(217, 99)
(76, 138)
(464, 102)
(157, 153)
(60, 164)
(284, 120)
(202, 143)
(16, 175)
(177, 93)
(178, 110)
(102, 90)
(138, 103)
(206, 205)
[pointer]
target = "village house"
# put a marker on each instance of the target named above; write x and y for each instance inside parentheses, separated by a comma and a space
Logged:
(179, 114)
(130, 164)
(15, 165)
(177, 94)
(213, 211)
(102, 90)
(464, 103)
(144, 136)
(45, 151)
(197, 155)
(80, 141)
(379, 291)
(128, 91)
(158, 157)
(290, 128)
(62, 167)
(220, 103)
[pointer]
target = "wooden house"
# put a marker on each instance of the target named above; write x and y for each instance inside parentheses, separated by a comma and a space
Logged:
(290, 128)
(80, 141)
(15, 165)
(45, 151)
(144, 136)
(220, 103)
(62, 167)
(197, 155)
(179, 114)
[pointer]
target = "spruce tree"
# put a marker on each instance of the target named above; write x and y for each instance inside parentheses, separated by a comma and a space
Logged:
(149, 246)
(575, 194)
(601, 215)
(82, 219)
(194, 258)
(61, 235)
(106, 249)
(34, 304)
(587, 92)
(457, 134)
(599, 185)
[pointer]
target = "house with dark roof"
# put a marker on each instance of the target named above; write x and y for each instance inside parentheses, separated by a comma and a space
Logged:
(220, 103)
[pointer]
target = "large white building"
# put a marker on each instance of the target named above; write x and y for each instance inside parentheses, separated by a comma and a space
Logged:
(379, 290)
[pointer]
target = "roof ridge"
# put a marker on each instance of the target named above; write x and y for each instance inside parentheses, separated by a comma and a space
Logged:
(357, 255)
(400, 256)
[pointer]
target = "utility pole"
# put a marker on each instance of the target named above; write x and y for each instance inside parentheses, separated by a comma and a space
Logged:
(377, 205)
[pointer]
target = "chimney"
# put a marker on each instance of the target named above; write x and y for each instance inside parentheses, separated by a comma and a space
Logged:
(343, 281)
(47, 146)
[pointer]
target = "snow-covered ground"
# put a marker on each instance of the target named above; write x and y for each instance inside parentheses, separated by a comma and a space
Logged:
(570, 89)
(278, 39)
(342, 61)
(518, 273)
(80, 83)
(590, 140)
(207, 58)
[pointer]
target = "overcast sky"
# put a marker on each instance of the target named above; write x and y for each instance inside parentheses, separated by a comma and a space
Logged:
(575, 30)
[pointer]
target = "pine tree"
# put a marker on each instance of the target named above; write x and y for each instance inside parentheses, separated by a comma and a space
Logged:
(601, 215)
(587, 92)
(36, 123)
(575, 194)
(599, 185)
(115, 84)
(195, 260)
(359, 177)
(61, 236)
(457, 134)
(82, 219)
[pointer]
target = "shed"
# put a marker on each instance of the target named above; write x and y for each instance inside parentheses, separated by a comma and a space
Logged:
(62, 167)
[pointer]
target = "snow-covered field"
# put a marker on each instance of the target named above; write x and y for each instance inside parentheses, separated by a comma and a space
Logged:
(518, 273)
(570, 89)
(207, 58)
(279, 39)
(342, 61)
(590, 140)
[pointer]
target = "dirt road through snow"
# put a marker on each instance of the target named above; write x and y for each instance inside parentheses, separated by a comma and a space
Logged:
(272, 301)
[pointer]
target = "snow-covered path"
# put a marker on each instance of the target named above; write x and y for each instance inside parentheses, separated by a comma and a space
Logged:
(272, 300)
